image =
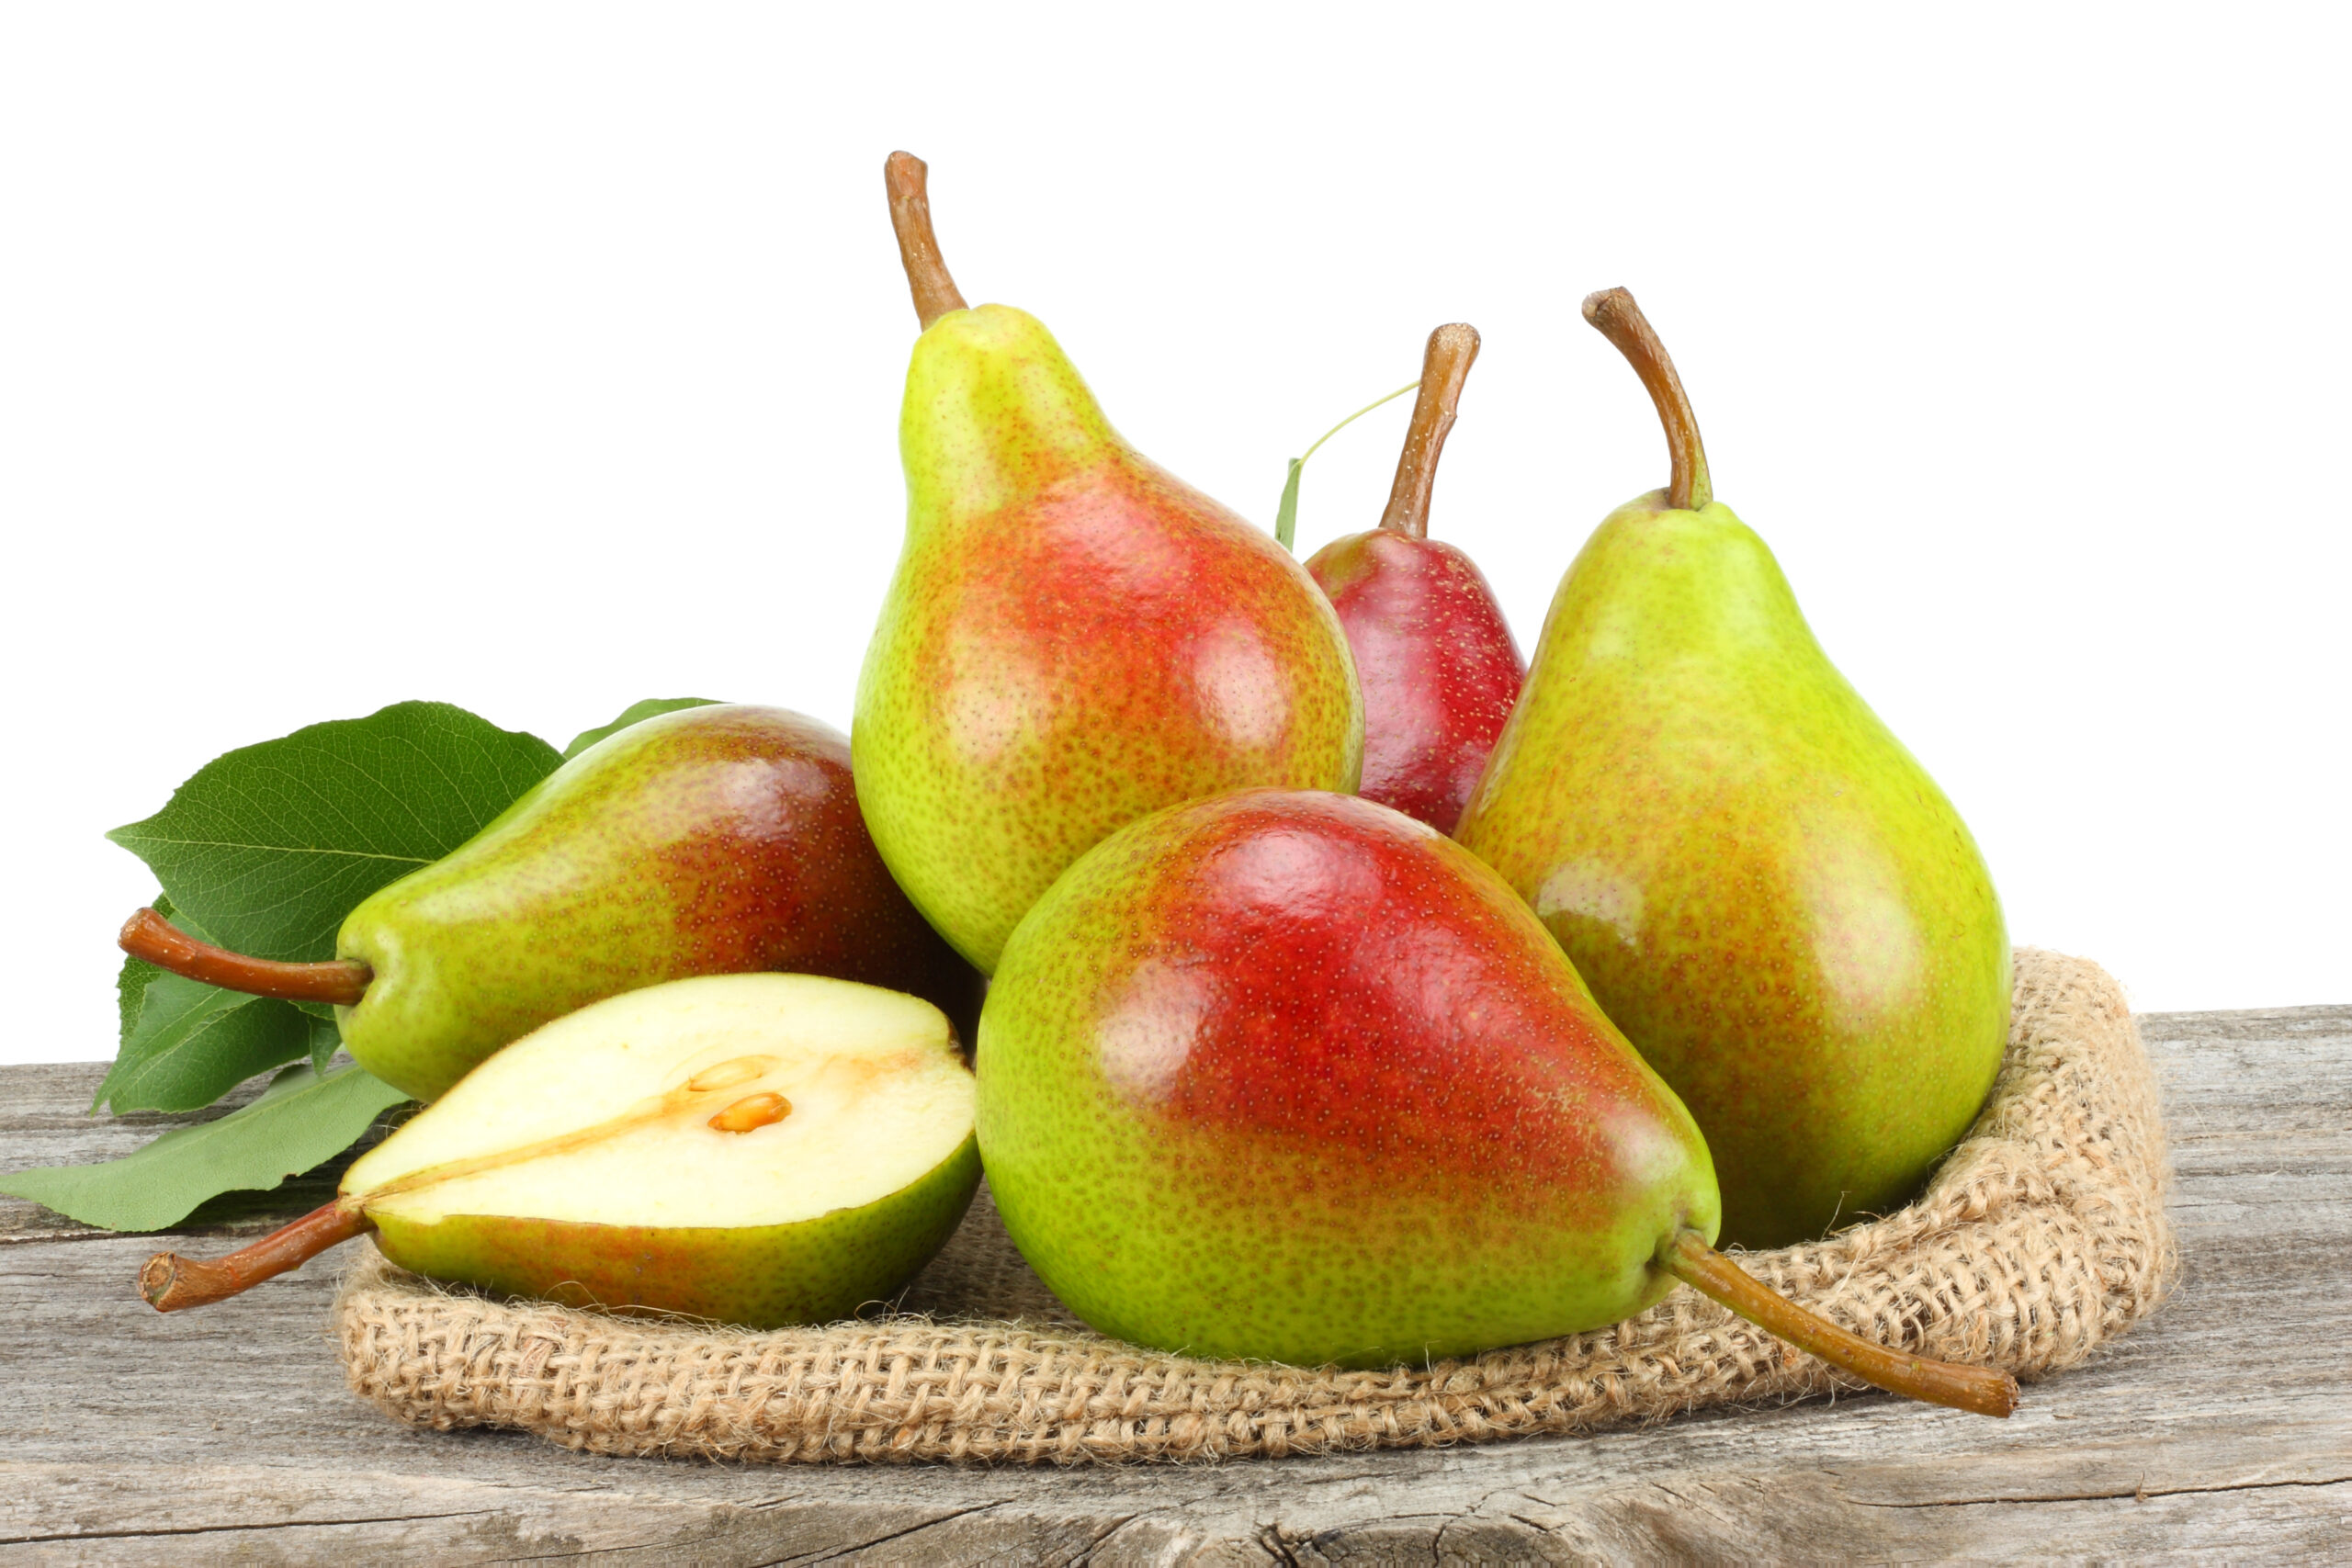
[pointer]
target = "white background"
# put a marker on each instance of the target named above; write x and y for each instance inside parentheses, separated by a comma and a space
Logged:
(541, 359)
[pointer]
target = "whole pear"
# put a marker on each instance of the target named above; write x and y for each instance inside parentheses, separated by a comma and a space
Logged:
(1073, 637)
(706, 841)
(1765, 890)
(1432, 652)
(1289, 1075)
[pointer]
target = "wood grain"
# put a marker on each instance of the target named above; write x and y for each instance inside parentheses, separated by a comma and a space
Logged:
(2221, 1429)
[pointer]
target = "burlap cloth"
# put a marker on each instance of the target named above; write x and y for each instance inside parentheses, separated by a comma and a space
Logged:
(2043, 1235)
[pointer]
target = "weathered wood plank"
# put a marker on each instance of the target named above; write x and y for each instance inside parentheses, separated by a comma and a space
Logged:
(2222, 1429)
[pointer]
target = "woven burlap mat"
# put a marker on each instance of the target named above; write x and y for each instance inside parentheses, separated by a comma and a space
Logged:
(2043, 1235)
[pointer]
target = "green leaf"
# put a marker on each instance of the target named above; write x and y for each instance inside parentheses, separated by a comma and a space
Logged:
(131, 981)
(194, 1042)
(635, 713)
(185, 1044)
(269, 847)
(130, 984)
(301, 1120)
(326, 1038)
(129, 989)
(1286, 514)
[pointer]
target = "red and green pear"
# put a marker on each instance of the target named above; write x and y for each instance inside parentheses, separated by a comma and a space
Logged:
(711, 840)
(1765, 890)
(1432, 652)
(1288, 1074)
(1074, 637)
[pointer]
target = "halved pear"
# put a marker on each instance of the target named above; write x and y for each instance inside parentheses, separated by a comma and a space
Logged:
(760, 1149)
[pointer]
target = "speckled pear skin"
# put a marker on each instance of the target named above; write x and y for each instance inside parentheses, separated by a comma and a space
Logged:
(1073, 639)
(760, 1276)
(1435, 658)
(1763, 888)
(1290, 1076)
(706, 841)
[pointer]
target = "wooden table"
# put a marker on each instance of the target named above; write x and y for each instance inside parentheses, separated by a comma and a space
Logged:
(2222, 1429)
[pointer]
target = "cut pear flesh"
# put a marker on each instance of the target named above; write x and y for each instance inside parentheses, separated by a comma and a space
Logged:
(722, 1114)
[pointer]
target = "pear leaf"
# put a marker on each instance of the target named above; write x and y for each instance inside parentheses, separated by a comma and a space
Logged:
(131, 981)
(130, 984)
(194, 1042)
(326, 1037)
(171, 1058)
(635, 713)
(1286, 514)
(304, 1119)
(270, 846)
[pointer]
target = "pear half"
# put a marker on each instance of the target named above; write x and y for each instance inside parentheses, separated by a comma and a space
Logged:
(760, 1149)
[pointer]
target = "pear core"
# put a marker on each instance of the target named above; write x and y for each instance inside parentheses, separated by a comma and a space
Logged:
(618, 1114)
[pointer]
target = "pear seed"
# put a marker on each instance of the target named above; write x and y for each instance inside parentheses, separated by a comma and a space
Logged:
(728, 1074)
(753, 1111)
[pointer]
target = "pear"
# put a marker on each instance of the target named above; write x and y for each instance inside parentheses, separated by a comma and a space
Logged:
(1290, 1076)
(1432, 652)
(1765, 890)
(1073, 637)
(714, 839)
(760, 1149)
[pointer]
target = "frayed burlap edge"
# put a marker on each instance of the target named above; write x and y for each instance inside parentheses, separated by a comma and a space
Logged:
(2043, 1235)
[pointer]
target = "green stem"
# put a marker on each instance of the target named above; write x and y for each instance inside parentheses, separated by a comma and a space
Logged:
(1286, 516)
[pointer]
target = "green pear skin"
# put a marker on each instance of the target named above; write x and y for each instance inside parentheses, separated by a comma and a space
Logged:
(1764, 889)
(1073, 639)
(1290, 1076)
(710, 840)
(814, 1270)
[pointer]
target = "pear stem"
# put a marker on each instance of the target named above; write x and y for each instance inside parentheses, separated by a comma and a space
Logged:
(1620, 321)
(1986, 1392)
(172, 1283)
(148, 936)
(906, 177)
(1445, 365)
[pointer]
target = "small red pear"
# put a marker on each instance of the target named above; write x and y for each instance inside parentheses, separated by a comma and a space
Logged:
(1434, 656)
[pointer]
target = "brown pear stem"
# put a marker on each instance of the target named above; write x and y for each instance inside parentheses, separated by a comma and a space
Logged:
(147, 935)
(1621, 322)
(1445, 365)
(1689, 1259)
(934, 291)
(171, 1283)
